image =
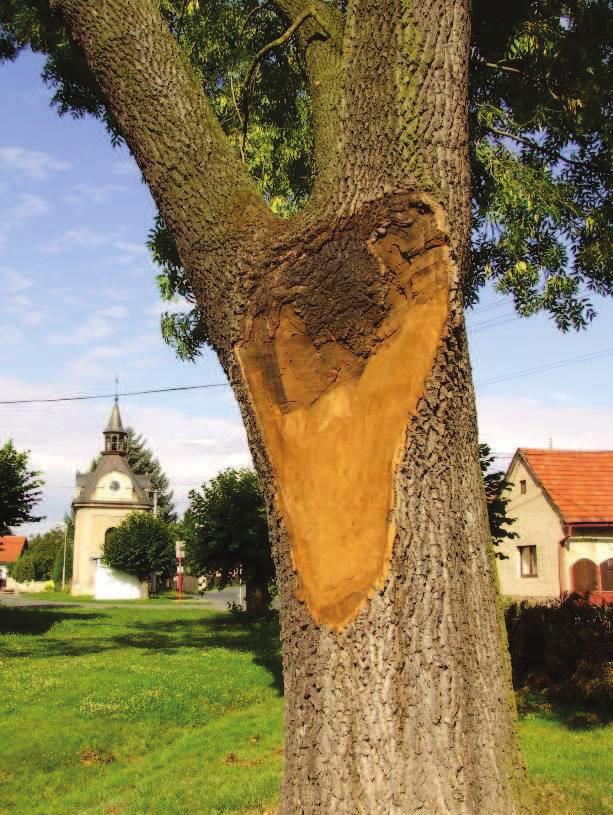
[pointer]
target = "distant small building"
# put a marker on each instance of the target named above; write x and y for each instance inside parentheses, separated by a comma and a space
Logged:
(11, 548)
(102, 500)
(562, 501)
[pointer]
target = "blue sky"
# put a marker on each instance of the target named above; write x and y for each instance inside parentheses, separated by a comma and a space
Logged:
(79, 305)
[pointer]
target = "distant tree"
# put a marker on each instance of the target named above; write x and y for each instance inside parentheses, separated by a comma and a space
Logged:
(23, 570)
(143, 460)
(141, 546)
(36, 563)
(226, 530)
(58, 564)
(496, 494)
(19, 489)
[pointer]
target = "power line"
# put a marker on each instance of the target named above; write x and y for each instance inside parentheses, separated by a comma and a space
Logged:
(526, 372)
(549, 367)
(112, 395)
(487, 324)
(499, 304)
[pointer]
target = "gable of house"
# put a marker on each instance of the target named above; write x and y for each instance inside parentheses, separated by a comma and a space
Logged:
(531, 567)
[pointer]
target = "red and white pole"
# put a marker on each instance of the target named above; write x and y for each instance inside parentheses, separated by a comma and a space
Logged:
(179, 551)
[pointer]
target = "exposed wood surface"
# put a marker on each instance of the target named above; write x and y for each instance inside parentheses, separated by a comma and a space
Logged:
(334, 422)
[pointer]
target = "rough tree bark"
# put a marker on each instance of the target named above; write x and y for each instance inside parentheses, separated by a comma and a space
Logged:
(342, 334)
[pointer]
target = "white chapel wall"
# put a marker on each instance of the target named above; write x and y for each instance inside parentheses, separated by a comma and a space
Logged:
(91, 525)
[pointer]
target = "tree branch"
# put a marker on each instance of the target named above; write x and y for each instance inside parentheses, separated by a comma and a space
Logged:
(203, 191)
(288, 34)
(506, 134)
(283, 39)
(498, 67)
(325, 72)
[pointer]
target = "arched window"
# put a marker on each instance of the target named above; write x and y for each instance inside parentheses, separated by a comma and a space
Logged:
(606, 575)
(109, 532)
(584, 574)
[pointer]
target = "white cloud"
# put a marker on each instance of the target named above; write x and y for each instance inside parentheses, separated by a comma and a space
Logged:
(30, 206)
(32, 318)
(85, 238)
(507, 422)
(29, 163)
(98, 326)
(9, 335)
(127, 167)
(131, 248)
(80, 194)
(114, 312)
(82, 238)
(172, 306)
(64, 437)
(11, 281)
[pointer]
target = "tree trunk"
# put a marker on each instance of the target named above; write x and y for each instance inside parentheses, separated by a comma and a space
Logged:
(397, 679)
(342, 334)
(257, 599)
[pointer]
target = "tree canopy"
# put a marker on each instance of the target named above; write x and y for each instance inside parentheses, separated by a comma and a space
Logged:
(496, 495)
(37, 562)
(540, 137)
(19, 489)
(141, 545)
(226, 531)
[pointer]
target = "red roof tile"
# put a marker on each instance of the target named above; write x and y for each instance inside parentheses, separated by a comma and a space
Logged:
(11, 546)
(579, 482)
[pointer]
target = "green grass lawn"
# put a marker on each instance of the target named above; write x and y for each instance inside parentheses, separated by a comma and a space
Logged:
(65, 596)
(121, 711)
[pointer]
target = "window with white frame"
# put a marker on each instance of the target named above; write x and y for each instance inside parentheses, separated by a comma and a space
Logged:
(527, 561)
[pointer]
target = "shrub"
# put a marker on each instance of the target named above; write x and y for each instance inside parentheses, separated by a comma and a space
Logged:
(563, 648)
(582, 720)
(141, 546)
(23, 570)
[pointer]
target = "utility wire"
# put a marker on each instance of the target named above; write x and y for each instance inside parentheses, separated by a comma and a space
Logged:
(550, 367)
(526, 372)
(112, 395)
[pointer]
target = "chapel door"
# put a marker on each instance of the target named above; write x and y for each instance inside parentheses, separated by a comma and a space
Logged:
(606, 575)
(585, 577)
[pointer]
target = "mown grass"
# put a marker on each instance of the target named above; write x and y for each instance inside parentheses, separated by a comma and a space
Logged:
(114, 710)
(122, 711)
(66, 597)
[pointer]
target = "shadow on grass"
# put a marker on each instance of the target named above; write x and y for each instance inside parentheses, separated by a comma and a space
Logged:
(572, 716)
(210, 631)
(37, 619)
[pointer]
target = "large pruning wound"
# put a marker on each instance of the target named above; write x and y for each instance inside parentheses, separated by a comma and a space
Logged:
(335, 421)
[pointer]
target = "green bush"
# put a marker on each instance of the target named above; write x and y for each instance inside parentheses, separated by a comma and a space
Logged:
(141, 546)
(563, 649)
(23, 570)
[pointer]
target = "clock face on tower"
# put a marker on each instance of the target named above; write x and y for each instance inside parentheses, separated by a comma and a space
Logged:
(114, 486)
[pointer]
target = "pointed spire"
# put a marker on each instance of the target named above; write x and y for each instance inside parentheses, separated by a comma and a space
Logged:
(114, 424)
(115, 435)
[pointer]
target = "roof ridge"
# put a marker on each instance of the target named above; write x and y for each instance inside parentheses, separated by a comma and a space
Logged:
(562, 450)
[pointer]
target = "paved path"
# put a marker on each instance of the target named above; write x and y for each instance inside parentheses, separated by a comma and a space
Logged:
(214, 599)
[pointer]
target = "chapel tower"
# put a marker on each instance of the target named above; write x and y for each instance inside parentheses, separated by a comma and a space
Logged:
(102, 500)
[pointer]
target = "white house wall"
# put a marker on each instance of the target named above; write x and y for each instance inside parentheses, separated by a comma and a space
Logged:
(537, 524)
(593, 548)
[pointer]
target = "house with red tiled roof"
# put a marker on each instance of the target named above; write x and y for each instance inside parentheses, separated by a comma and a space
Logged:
(11, 547)
(562, 502)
